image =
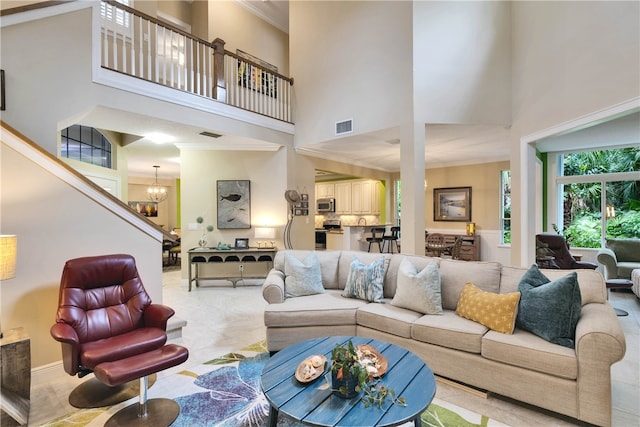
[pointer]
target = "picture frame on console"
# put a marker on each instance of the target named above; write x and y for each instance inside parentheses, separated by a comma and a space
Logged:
(452, 204)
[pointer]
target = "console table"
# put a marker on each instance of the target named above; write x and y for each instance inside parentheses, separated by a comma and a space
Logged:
(240, 257)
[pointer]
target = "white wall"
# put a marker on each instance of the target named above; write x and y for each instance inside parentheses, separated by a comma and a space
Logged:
(55, 223)
(350, 60)
(462, 62)
(570, 59)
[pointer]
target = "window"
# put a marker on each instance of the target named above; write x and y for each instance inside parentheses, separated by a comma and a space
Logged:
(398, 201)
(85, 144)
(600, 196)
(505, 207)
(115, 20)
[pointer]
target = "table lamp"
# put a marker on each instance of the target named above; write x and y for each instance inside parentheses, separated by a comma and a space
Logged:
(8, 252)
(266, 233)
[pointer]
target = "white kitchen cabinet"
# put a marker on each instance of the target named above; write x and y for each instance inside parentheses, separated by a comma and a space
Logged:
(376, 187)
(361, 197)
(325, 190)
(343, 197)
(335, 241)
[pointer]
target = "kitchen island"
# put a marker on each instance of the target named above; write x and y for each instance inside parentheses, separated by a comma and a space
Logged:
(354, 237)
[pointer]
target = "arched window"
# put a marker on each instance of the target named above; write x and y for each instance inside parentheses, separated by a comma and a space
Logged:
(87, 145)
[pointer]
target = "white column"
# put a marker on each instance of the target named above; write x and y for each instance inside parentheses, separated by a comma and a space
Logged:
(412, 166)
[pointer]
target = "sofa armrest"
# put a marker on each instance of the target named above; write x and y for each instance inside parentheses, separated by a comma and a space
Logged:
(608, 258)
(600, 343)
(273, 287)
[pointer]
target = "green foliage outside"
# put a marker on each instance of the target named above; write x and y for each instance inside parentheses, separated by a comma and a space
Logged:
(582, 202)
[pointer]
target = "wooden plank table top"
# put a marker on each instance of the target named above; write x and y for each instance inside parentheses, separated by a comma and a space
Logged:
(314, 403)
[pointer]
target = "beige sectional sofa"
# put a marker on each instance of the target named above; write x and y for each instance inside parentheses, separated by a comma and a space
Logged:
(575, 382)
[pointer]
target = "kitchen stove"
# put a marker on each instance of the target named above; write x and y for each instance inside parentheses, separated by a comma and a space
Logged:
(329, 226)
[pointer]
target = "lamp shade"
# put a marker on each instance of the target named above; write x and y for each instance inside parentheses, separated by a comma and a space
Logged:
(265, 233)
(8, 252)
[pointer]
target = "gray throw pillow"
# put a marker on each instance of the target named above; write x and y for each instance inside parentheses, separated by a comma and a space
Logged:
(365, 281)
(418, 290)
(302, 277)
(550, 309)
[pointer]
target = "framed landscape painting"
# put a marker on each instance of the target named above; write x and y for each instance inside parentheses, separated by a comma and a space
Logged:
(234, 204)
(452, 204)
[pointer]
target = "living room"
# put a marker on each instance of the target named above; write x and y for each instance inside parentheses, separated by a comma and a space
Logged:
(546, 99)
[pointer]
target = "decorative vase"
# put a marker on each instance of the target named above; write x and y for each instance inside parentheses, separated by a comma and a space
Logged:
(202, 242)
(344, 387)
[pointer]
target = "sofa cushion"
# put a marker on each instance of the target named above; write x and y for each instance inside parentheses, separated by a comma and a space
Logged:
(418, 290)
(387, 318)
(550, 309)
(344, 266)
(449, 330)
(325, 309)
(391, 278)
(302, 277)
(626, 250)
(495, 311)
(455, 274)
(526, 350)
(328, 264)
(365, 281)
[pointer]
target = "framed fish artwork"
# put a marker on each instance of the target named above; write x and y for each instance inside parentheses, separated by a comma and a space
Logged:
(234, 204)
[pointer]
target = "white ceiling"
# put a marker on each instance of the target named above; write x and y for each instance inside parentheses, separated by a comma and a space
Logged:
(446, 144)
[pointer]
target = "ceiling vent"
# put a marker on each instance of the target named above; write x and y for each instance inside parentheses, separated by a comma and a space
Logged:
(395, 141)
(344, 127)
(210, 134)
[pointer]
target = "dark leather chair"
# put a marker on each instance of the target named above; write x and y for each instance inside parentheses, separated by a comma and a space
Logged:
(108, 326)
(556, 247)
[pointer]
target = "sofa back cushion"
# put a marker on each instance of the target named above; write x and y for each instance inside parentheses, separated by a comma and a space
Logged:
(455, 274)
(365, 258)
(626, 250)
(328, 264)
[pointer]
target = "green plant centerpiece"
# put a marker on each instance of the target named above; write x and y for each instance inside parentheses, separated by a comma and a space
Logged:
(352, 374)
(209, 228)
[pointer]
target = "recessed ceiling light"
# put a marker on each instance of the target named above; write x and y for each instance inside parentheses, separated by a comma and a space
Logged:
(159, 137)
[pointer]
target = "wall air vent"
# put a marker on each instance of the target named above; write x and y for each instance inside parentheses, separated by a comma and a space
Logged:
(344, 127)
(395, 141)
(210, 134)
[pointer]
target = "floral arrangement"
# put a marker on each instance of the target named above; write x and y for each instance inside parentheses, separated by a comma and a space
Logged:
(203, 239)
(351, 376)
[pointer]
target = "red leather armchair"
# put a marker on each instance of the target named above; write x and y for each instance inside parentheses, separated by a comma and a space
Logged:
(557, 247)
(107, 324)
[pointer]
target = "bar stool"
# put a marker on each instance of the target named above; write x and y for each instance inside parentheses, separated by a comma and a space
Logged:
(376, 238)
(390, 239)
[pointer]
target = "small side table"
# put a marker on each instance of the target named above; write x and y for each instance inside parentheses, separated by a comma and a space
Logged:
(619, 284)
(15, 371)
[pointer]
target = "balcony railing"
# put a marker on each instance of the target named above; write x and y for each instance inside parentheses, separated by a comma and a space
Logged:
(141, 46)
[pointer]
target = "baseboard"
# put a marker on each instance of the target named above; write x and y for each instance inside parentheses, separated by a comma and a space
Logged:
(464, 387)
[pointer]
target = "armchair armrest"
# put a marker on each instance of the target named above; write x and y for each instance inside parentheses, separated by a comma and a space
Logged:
(157, 315)
(69, 340)
(608, 258)
(273, 287)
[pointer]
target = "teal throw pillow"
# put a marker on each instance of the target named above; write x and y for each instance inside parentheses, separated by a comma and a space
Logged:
(418, 290)
(550, 309)
(302, 277)
(365, 281)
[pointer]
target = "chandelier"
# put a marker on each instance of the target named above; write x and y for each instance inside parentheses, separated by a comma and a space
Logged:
(156, 192)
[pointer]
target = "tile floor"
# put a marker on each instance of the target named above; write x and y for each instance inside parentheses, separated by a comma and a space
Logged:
(221, 319)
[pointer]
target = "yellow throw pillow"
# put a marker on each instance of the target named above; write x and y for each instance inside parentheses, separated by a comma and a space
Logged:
(495, 311)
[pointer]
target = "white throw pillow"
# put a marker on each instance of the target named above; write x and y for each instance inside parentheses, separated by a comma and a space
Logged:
(302, 277)
(418, 290)
(365, 281)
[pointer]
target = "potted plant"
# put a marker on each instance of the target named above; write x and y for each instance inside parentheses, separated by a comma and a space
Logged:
(349, 377)
(209, 228)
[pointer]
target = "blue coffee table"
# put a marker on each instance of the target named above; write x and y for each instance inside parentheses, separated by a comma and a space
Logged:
(314, 404)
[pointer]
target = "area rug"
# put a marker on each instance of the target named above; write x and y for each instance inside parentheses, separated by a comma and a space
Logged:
(225, 392)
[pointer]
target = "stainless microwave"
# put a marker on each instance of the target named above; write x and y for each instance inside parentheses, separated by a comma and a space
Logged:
(326, 205)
